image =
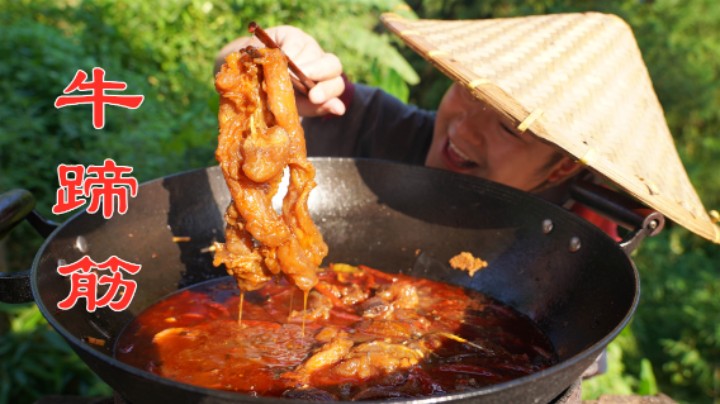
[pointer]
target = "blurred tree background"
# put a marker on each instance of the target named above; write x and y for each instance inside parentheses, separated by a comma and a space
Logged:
(165, 50)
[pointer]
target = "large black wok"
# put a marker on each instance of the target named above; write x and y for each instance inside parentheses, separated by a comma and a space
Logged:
(573, 280)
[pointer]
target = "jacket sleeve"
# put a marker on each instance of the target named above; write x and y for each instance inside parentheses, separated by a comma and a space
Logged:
(376, 125)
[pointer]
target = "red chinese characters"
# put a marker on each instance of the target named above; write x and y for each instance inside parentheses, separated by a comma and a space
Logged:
(97, 97)
(105, 185)
(85, 283)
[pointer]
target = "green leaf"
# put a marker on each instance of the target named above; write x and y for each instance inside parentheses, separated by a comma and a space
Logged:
(647, 385)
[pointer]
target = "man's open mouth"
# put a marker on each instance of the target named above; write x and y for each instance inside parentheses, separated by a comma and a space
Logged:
(455, 158)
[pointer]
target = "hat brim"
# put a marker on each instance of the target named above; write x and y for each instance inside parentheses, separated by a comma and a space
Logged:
(577, 81)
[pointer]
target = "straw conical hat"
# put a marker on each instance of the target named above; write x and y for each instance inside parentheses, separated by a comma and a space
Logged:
(577, 81)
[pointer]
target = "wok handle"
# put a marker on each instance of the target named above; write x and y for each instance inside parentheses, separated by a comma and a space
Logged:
(627, 212)
(15, 206)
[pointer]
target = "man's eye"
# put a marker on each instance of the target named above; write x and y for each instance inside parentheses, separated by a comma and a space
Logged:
(509, 130)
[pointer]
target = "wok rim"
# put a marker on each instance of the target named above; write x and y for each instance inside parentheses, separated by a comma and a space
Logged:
(78, 343)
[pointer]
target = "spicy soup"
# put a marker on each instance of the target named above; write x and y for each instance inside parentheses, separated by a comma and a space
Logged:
(364, 334)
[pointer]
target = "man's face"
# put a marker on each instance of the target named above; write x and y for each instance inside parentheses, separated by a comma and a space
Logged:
(471, 138)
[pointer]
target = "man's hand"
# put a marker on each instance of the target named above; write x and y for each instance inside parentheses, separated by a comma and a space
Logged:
(323, 68)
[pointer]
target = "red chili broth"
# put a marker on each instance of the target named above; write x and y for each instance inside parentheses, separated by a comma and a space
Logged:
(201, 342)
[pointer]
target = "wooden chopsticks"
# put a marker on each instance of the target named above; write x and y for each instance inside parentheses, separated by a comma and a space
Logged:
(301, 83)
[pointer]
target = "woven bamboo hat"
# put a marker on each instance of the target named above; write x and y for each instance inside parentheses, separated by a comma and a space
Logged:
(577, 81)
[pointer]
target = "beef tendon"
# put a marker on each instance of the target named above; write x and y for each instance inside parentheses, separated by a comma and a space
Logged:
(260, 137)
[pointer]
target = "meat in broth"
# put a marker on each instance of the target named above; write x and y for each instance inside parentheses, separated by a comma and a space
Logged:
(368, 335)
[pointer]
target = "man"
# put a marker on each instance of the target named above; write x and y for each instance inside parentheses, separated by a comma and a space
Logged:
(342, 119)
(536, 101)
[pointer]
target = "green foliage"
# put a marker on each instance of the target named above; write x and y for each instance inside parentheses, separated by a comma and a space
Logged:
(165, 50)
(36, 360)
(615, 379)
(366, 58)
(677, 320)
(53, 43)
(618, 380)
(647, 385)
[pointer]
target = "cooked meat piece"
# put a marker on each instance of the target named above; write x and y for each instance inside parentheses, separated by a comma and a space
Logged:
(318, 308)
(260, 136)
(353, 294)
(328, 354)
(377, 358)
(361, 361)
(401, 295)
(467, 262)
(397, 296)
(326, 334)
(163, 336)
(388, 329)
